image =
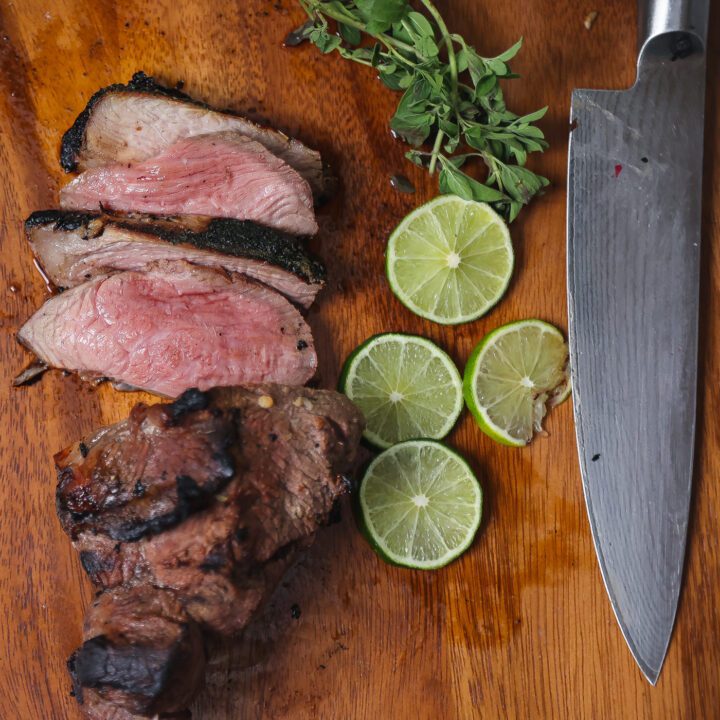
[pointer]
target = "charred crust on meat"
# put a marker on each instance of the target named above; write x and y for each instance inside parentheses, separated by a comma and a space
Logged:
(94, 564)
(61, 220)
(227, 236)
(216, 559)
(72, 140)
(77, 691)
(143, 652)
(135, 670)
(225, 466)
(191, 498)
(191, 400)
(281, 553)
(189, 492)
(93, 493)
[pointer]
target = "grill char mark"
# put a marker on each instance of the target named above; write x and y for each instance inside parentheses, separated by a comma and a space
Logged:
(72, 140)
(141, 653)
(236, 238)
(128, 498)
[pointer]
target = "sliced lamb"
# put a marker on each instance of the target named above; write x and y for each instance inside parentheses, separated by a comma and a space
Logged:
(73, 247)
(223, 174)
(133, 122)
(173, 327)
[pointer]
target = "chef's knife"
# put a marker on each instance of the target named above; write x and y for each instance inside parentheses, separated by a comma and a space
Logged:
(634, 195)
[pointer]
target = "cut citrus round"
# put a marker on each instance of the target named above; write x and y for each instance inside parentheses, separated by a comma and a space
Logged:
(512, 377)
(420, 504)
(450, 260)
(406, 387)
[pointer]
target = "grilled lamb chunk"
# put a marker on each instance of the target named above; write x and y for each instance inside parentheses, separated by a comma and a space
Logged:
(73, 247)
(130, 123)
(148, 486)
(223, 174)
(173, 327)
(142, 655)
(291, 447)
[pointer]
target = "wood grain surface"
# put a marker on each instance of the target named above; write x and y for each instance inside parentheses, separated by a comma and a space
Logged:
(519, 628)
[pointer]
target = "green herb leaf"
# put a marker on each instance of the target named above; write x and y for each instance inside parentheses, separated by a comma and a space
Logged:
(426, 47)
(510, 53)
(381, 14)
(324, 41)
(350, 34)
(532, 117)
(454, 182)
(420, 24)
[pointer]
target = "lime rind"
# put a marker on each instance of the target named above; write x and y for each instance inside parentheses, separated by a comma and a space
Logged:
(424, 377)
(539, 398)
(418, 252)
(434, 534)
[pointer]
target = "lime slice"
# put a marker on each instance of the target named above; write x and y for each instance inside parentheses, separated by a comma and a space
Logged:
(420, 504)
(450, 260)
(406, 387)
(513, 375)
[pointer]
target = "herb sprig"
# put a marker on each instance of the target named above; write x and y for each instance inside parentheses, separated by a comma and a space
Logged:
(452, 102)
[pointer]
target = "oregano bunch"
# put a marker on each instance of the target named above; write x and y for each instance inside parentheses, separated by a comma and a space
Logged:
(452, 107)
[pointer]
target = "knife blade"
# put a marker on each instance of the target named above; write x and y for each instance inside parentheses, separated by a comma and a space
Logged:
(634, 202)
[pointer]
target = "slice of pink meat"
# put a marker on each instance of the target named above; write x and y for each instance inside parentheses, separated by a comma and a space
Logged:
(222, 174)
(173, 327)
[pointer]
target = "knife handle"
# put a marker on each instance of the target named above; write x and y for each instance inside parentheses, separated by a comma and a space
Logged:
(659, 17)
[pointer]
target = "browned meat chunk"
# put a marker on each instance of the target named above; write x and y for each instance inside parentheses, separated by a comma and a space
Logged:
(265, 466)
(131, 481)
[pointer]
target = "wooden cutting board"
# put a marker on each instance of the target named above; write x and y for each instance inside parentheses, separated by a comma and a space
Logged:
(521, 627)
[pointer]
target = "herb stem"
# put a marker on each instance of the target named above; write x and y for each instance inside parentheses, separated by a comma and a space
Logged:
(452, 60)
(435, 151)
